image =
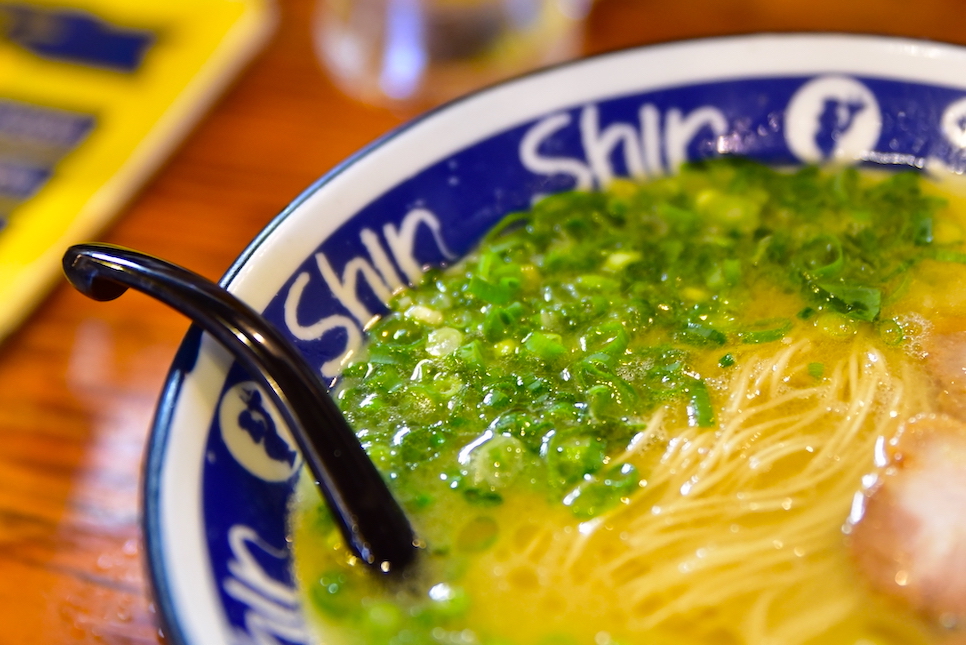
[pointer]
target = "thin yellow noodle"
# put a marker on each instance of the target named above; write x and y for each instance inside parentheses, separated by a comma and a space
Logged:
(739, 393)
(781, 469)
(640, 441)
(795, 629)
(707, 595)
(755, 624)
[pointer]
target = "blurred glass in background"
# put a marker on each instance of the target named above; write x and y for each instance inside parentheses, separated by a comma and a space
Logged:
(422, 52)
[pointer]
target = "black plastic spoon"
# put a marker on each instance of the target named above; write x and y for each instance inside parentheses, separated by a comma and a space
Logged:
(371, 520)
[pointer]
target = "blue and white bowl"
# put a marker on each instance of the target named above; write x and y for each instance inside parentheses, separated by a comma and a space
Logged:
(217, 491)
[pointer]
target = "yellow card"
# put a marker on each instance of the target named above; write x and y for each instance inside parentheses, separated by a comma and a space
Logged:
(94, 94)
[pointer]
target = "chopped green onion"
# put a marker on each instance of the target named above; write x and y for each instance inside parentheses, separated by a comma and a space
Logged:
(610, 338)
(855, 301)
(497, 294)
(701, 334)
(471, 354)
(700, 410)
(485, 497)
(922, 230)
(546, 347)
(891, 332)
(822, 257)
(603, 491)
(946, 255)
(597, 283)
(766, 331)
(494, 324)
(816, 370)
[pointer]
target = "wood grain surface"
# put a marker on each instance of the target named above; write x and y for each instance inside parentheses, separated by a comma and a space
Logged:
(79, 381)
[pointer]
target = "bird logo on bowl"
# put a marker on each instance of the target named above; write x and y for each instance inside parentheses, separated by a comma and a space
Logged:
(255, 435)
(833, 118)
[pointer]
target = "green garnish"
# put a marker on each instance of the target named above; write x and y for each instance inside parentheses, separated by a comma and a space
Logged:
(700, 411)
(576, 320)
(765, 331)
(816, 370)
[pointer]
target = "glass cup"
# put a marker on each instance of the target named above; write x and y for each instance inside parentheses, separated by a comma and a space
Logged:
(423, 52)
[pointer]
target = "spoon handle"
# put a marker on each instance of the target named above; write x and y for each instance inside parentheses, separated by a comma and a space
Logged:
(373, 524)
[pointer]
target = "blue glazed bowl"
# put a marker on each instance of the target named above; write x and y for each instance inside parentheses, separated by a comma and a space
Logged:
(218, 486)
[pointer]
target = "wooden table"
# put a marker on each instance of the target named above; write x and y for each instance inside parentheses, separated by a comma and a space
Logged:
(78, 383)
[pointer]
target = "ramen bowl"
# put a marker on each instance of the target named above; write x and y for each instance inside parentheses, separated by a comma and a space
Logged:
(217, 496)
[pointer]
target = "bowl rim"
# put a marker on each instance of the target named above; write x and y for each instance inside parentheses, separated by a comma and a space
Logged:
(195, 344)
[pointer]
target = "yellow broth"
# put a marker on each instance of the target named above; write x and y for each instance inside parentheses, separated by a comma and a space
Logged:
(731, 528)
